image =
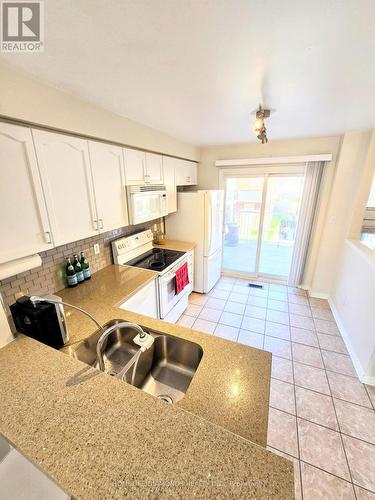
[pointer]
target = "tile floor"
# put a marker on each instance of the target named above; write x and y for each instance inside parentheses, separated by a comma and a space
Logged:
(321, 416)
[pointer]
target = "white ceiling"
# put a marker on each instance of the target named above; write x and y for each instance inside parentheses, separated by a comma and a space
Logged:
(197, 68)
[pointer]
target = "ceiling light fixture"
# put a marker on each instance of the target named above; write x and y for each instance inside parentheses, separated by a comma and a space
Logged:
(259, 126)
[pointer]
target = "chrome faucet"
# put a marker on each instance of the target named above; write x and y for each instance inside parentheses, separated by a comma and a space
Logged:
(142, 339)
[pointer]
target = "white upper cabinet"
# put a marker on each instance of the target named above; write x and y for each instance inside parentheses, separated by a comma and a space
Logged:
(142, 168)
(186, 173)
(108, 173)
(170, 183)
(154, 169)
(67, 184)
(135, 167)
(23, 215)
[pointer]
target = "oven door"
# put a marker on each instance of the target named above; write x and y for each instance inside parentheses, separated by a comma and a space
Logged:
(147, 206)
(167, 290)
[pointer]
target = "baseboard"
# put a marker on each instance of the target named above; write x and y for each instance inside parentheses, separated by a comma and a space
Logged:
(345, 336)
(318, 295)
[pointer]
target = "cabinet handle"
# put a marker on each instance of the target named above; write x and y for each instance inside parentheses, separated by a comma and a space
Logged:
(101, 224)
(95, 222)
(188, 179)
(48, 236)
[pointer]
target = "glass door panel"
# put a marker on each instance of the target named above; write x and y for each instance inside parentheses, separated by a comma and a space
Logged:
(279, 224)
(243, 205)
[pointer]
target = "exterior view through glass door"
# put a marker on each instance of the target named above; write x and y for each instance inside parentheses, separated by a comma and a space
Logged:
(261, 214)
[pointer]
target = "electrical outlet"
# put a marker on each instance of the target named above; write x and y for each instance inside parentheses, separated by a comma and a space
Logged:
(96, 249)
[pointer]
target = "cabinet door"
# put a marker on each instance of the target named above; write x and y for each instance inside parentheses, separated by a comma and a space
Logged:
(170, 183)
(186, 173)
(154, 168)
(23, 215)
(107, 167)
(135, 164)
(67, 184)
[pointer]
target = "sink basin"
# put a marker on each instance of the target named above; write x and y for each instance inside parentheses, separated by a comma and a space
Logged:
(165, 370)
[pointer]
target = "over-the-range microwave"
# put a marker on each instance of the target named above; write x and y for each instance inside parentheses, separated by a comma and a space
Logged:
(146, 203)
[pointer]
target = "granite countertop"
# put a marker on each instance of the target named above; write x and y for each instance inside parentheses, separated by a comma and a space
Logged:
(182, 246)
(98, 437)
(231, 384)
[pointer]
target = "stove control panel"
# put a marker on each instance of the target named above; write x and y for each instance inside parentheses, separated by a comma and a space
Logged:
(129, 246)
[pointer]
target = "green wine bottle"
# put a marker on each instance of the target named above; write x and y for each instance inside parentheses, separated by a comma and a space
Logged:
(78, 269)
(85, 266)
(71, 276)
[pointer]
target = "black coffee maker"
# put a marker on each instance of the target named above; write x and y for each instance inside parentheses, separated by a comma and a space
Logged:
(41, 321)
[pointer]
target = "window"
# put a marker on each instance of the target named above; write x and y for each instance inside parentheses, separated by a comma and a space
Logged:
(368, 228)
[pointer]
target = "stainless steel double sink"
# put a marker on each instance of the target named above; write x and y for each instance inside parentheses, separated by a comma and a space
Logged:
(165, 370)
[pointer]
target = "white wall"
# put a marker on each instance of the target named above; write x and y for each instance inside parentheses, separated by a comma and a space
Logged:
(352, 301)
(208, 174)
(346, 206)
(24, 98)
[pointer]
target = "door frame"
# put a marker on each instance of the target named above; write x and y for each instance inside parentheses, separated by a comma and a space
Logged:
(265, 171)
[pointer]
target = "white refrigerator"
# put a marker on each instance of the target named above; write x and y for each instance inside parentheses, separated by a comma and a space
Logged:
(199, 219)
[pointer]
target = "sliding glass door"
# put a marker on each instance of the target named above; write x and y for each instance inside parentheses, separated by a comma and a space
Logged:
(261, 214)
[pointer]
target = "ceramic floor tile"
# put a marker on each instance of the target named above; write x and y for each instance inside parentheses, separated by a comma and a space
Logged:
(282, 369)
(348, 388)
(282, 432)
(253, 324)
(277, 330)
(226, 332)
(198, 299)
(363, 494)
(371, 393)
(230, 319)
(316, 407)
(277, 317)
(224, 286)
(238, 297)
(213, 303)
(323, 448)
(193, 310)
(241, 289)
(331, 343)
(298, 299)
(219, 294)
(328, 327)
(301, 322)
(204, 326)
(278, 347)
(302, 336)
(277, 287)
(257, 301)
(186, 321)
(293, 290)
(321, 313)
(310, 377)
(227, 279)
(278, 295)
(277, 305)
(339, 363)
(356, 421)
(300, 309)
(307, 355)
(210, 314)
(321, 303)
(361, 458)
(297, 474)
(282, 396)
(256, 312)
(320, 485)
(234, 307)
(251, 339)
(259, 293)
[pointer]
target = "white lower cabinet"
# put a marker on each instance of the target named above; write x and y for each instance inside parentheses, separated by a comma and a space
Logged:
(144, 301)
(67, 184)
(24, 223)
(108, 173)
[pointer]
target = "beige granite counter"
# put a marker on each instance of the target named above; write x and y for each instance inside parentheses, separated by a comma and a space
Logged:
(101, 438)
(231, 385)
(182, 246)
